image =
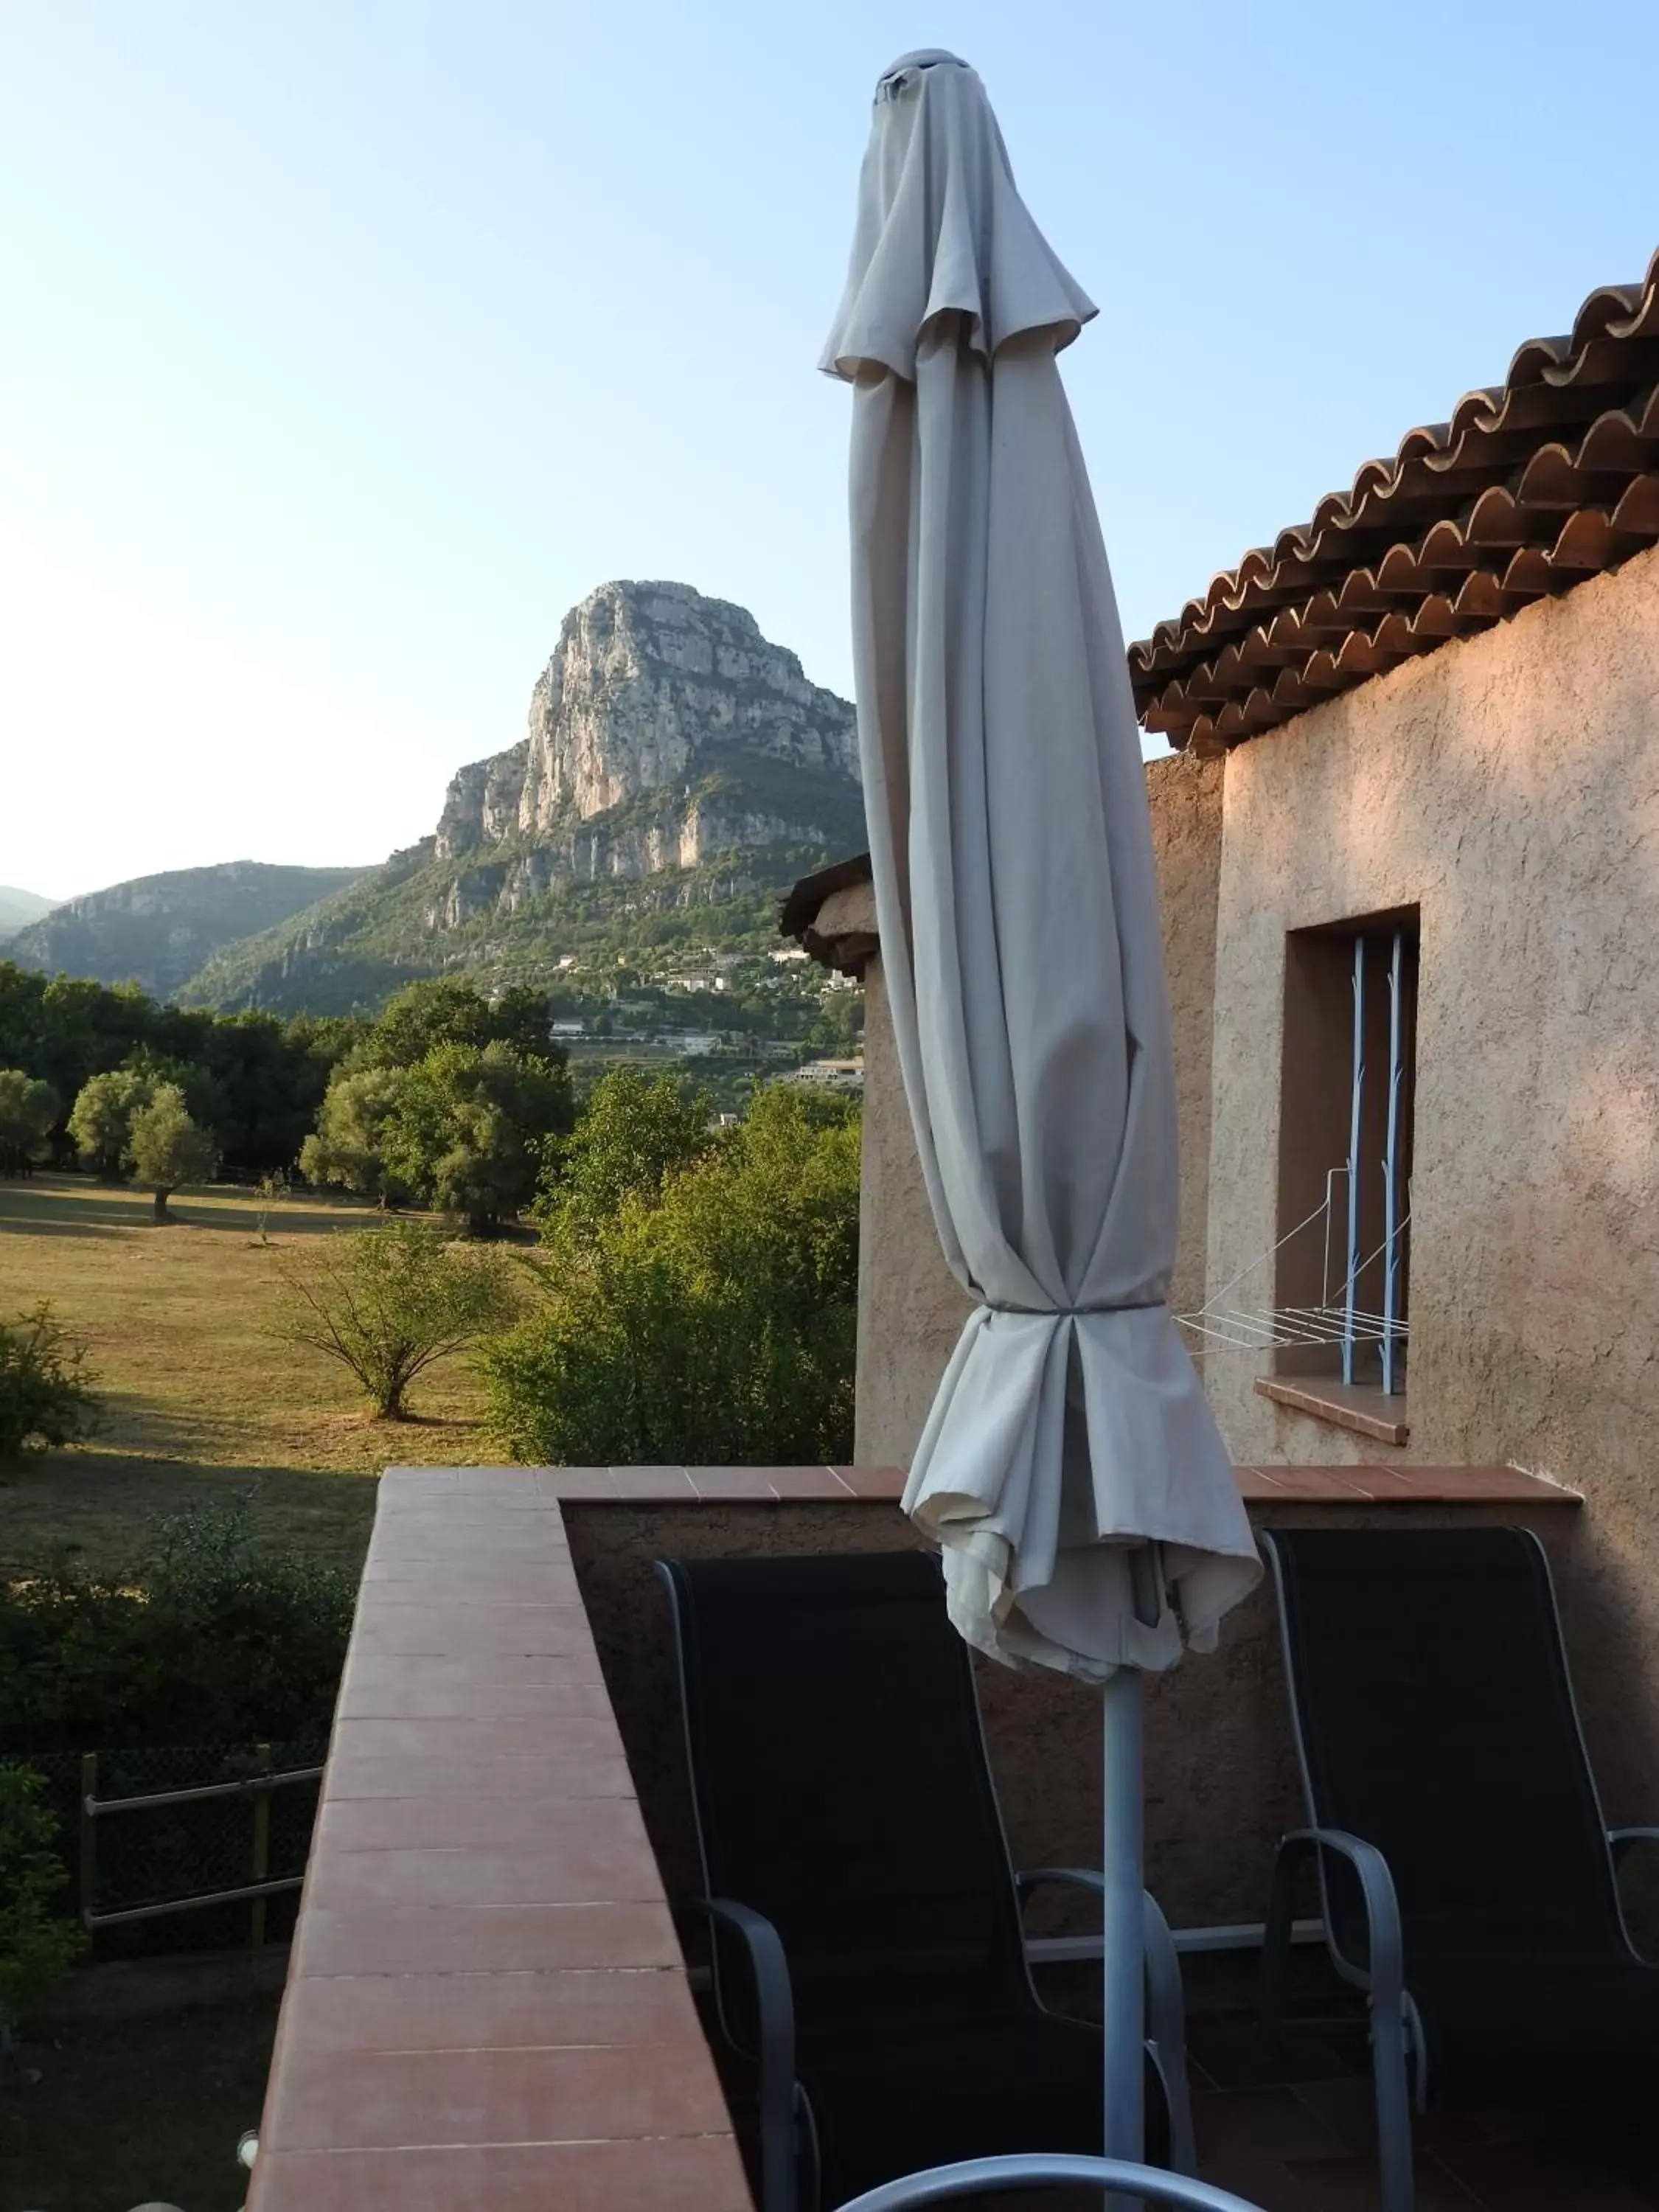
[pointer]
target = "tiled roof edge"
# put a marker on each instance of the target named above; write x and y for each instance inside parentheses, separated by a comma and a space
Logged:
(1528, 488)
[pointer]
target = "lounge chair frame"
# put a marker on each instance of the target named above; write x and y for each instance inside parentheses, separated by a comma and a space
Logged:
(1399, 2051)
(786, 2124)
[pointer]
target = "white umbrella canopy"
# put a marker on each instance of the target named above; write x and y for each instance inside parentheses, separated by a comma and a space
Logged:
(1070, 1468)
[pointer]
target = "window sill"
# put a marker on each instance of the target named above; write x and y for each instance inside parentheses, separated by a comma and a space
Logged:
(1367, 1412)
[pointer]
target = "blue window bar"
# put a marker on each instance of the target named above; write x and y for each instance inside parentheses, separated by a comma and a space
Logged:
(1356, 1131)
(1356, 1324)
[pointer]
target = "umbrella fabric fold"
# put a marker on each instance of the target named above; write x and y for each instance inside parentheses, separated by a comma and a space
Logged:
(1017, 906)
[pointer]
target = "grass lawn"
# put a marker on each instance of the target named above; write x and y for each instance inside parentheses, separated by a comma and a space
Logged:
(199, 1402)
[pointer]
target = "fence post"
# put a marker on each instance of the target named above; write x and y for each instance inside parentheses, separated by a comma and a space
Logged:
(261, 1845)
(88, 1837)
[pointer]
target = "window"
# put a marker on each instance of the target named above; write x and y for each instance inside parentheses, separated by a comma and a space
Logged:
(1343, 1291)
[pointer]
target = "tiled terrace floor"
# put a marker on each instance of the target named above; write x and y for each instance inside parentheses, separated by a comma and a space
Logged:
(1296, 2135)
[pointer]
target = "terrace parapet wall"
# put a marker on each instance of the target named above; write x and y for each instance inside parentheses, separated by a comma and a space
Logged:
(488, 2005)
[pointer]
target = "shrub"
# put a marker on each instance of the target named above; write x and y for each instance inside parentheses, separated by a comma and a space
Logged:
(386, 1303)
(714, 1321)
(45, 1395)
(206, 1639)
(37, 1946)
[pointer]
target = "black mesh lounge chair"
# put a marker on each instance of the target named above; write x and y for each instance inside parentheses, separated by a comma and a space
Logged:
(1467, 1877)
(871, 1983)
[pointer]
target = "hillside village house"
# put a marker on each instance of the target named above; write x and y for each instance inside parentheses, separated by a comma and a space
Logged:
(1408, 845)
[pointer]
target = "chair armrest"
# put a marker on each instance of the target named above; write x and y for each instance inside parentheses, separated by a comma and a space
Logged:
(1621, 1841)
(1079, 1877)
(1386, 1964)
(1166, 2002)
(774, 2004)
(1385, 1976)
(1161, 1956)
(1160, 1944)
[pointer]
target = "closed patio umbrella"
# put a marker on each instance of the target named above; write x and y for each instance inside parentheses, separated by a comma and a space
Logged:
(1070, 1470)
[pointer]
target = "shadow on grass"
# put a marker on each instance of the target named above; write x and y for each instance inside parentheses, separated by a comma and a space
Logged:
(280, 1223)
(68, 1205)
(11, 1226)
(99, 1509)
(134, 1425)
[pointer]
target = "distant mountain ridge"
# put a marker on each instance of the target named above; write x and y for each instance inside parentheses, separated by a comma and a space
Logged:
(20, 908)
(675, 759)
(156, 931)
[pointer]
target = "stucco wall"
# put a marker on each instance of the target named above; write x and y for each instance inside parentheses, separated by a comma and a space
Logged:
(1507, 785)
(1185, 797)
(911, 1309)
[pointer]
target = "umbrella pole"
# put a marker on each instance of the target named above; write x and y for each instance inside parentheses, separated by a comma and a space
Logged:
(1123, 1992)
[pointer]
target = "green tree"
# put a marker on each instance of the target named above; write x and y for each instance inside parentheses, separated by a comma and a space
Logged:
(37, 1944)
(46, 1394)
(469, 1128)
(167, 1148)
(464, 1130)
(256, 1081)
(204, 1097)
(101, 1120)
(444, 1010)
(29, 1112)
(386, 1303)
(715, 1323)
(345, 1147)
(636, 1132)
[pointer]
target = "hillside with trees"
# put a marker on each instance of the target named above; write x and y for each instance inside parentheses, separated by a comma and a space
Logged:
(156, 931)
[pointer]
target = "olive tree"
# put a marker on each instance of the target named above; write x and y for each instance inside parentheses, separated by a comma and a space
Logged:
(165, 1148)
(101, 1122)
(462, 1129)
(345, 1147)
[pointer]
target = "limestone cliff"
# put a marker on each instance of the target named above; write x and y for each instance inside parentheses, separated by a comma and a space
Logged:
(657, 707)
(674, 759)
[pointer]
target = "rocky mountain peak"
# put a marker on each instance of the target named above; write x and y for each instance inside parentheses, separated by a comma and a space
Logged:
(675, 759)
(651, 687)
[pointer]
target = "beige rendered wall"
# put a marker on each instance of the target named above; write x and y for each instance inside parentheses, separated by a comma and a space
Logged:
(1507, 785)
(1185, 796)
(910, 1311)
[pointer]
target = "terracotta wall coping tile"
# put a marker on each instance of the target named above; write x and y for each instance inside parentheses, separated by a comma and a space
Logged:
(468, 1489)
(486, 2005)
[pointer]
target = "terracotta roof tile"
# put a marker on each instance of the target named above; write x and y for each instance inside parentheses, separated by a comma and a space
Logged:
(1530, 487)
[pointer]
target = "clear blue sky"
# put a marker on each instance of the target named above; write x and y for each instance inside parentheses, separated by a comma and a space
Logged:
(344, 344)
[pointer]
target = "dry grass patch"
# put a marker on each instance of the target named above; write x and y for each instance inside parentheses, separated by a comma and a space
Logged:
(198, 1400)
